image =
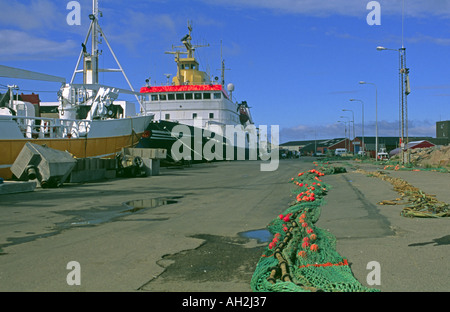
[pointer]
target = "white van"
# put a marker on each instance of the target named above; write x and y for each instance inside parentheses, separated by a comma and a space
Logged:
(340, 151)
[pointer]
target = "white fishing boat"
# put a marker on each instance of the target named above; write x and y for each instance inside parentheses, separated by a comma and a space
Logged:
(196, 117)
(88, 120)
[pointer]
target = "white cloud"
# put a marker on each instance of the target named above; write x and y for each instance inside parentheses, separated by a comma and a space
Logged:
(38, 14)
(231, 48)
(18, 45)
(413, 8)
(420, 38)
(27, 23)
(420, 8)
(310, 7)
(132, 28)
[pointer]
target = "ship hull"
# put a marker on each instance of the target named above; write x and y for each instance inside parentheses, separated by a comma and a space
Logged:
(200, 147)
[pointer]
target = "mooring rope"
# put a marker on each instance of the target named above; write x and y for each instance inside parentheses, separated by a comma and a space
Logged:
(419, 204)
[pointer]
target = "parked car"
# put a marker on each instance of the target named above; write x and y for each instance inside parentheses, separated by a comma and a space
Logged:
(340, 151)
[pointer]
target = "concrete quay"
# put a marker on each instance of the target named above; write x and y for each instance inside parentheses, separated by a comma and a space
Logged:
(13, 187)
(202, 229)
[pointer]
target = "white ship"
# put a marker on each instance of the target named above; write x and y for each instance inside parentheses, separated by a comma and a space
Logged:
(88, 120)
(195, 117)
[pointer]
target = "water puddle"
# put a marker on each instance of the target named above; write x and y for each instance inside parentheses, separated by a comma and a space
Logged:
(95, 216)
(98, 215)
(263, 235)
(136, 205)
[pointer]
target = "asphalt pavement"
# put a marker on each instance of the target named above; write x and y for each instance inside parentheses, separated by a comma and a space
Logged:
(202, 228)
(412, 253)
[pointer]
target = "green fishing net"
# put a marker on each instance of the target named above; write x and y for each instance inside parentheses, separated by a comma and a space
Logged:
(302, 257)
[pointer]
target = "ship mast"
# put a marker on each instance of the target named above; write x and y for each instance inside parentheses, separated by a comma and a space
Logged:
(90, 65)
(187, 42)
(190, 57)
(94, 18)
(222, 61)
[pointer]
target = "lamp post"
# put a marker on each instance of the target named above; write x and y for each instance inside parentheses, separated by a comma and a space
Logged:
(363, 145)
(349, 132)
(353, 120)
(345, 127)
(404, 90)
(376, 117)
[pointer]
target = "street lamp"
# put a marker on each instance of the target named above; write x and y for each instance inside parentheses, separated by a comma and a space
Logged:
(380, 48)
(345, 127)
(404, 90)
(376, 117)
(363, 145)
(349, 132)
(353, 120)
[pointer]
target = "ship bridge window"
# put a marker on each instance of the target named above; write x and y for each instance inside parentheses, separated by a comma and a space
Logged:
(217, 95)
(180, 96)
(167, 116)
(171, 97)
(197, 96)
(211, 115)
(162, 97)
(206, 96)
(188, 66)
(154, 97)
(188, 96)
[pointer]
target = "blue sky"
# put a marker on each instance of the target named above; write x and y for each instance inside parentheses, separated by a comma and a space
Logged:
(296, 62)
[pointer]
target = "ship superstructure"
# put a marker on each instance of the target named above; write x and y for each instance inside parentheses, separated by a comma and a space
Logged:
(194, 100)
